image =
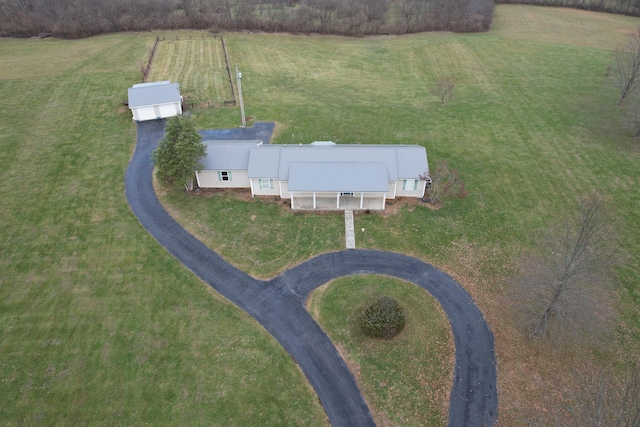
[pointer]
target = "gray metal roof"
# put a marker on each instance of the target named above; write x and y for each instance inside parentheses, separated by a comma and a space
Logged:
(338, 177)
(265, 162)
(153, 93)
(401, 161)
(412, 161)
(228, 155)
(147, 84)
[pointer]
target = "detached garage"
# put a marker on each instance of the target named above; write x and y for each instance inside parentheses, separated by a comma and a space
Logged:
(155, 100)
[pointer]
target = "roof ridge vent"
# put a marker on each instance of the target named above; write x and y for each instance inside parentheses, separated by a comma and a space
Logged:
(323, 143)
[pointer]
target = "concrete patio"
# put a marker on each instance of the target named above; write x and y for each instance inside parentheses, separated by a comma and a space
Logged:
(342, 203)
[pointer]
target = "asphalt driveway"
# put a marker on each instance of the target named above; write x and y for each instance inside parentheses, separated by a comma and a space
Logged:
(278, 304)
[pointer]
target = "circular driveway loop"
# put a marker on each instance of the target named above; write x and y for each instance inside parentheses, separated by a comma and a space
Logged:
(278, 305)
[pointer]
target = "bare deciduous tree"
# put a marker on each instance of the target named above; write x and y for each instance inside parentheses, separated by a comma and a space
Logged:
(443, 89)
(594, 398)
(633, 115)
(443, 181)
(628, 66)
(601, 399)
(563, 289)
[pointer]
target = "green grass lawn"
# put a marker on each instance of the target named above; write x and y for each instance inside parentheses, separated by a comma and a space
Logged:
(99, 325)
(532, 126)
(196, 61)
(407, 380)
(267, 236)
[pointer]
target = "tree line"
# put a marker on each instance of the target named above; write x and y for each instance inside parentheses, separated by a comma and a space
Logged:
(83, 18)
(620, 7)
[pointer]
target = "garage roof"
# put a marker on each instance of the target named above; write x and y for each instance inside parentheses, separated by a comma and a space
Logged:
(153, 93)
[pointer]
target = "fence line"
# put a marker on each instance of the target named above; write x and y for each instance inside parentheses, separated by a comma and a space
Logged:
(226, 59)
(145, 70)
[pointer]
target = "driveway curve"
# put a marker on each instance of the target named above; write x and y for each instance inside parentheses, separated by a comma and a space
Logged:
(278, 305)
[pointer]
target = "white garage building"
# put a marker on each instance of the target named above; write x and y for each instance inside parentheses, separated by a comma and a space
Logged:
(155, 100)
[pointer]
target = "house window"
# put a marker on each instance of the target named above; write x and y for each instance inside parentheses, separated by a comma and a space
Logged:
(266, 184)
(410, 184)
(224, 176)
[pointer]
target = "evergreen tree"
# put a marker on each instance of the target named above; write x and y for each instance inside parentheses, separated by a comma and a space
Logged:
(178, 155)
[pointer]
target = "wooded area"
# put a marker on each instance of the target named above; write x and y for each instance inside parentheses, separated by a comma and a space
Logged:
(82, 18)
(620, 7)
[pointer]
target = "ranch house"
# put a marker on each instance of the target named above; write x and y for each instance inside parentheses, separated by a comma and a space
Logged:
(317, 176)
(155, 100)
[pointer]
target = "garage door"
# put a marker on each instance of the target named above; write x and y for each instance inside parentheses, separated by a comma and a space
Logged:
(144, 113)
(169, 110)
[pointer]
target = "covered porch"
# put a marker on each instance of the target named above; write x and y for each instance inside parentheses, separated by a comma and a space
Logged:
(338, 201)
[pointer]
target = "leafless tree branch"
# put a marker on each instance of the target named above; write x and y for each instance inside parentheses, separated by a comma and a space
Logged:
(443, 181)
(595, 398)
(628, 66)
(443, 89)
(563, 290)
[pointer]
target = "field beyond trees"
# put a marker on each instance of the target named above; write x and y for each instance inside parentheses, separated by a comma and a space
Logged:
(101, 325)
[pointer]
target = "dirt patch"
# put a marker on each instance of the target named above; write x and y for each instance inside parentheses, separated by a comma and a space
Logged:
(409, 203)
(236, 193)
(277, 129)
(392, 207)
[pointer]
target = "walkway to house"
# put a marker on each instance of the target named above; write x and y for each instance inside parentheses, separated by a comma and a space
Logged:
(349, 232)
(278, 305)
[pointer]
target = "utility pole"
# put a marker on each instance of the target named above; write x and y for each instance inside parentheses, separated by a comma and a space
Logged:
(239, 79)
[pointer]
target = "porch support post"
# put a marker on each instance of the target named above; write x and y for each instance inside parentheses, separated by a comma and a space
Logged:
(314, 200)
(384, 200)
(337, 200)
(361, 200)
(291, 201)
(251, 184)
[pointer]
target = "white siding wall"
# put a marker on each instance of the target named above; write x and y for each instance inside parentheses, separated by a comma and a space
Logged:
(152, 112)
(211, 179)
(257, 191)
(391, 192)
(417, 192)
(284, 193)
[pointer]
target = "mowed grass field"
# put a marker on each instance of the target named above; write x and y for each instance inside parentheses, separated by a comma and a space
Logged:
(532, 126)
(196, 61)
(98, 324)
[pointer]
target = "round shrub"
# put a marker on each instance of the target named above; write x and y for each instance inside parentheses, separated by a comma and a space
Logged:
(382, 319)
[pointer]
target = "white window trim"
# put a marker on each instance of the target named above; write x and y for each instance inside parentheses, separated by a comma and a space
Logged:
(220, 176)
(405, 185)
(268, 182)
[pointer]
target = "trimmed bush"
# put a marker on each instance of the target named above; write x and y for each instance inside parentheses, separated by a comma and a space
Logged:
(382, 319)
